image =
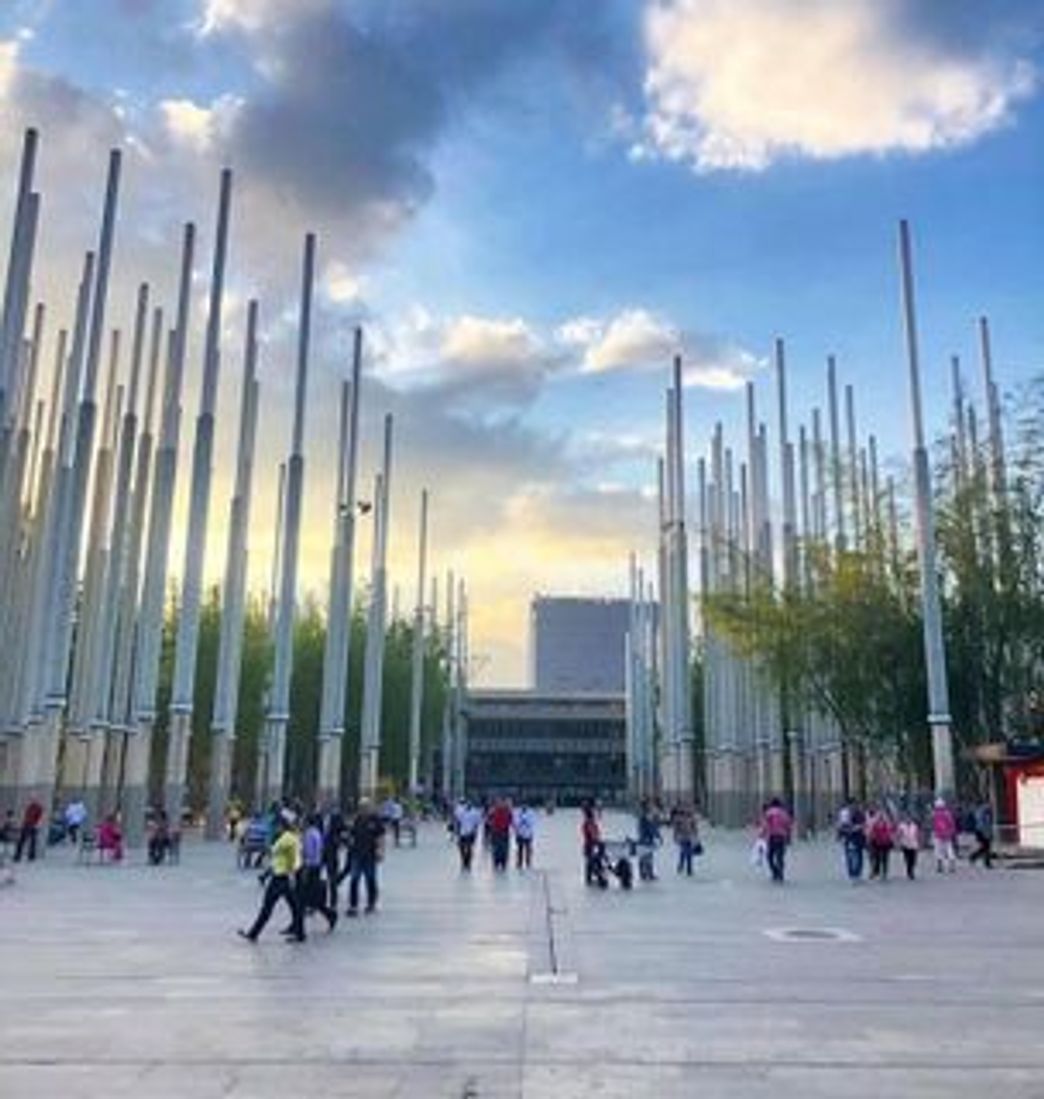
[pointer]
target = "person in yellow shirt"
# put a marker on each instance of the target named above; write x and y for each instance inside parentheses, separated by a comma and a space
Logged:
(285, 862)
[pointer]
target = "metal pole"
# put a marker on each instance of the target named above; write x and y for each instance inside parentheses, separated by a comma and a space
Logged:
(417, 680)
(279, 702)
(935, 656)
(187, 642)
(233, 611)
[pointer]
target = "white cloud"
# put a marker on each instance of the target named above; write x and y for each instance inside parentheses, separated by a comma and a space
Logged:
(634, 337)
(188, 123)
(481, 342)
(740, 83)
(8, 65)
(341, 285)
(253, 16)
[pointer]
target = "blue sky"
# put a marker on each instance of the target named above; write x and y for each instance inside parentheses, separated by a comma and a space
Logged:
(531, 207)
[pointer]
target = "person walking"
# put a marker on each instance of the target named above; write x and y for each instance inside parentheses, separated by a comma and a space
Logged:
(591, 840)
(686, 836)
(525, 827)
(284, 863)
(334, 839)
(908, 838)
(944, 834)
(499, 821)
(776, 828)
(982, 828)
(851, 831)
(648, 840)
(312, 892)
(881, 839)
(468, 822)
(31, 819)
(367, 846)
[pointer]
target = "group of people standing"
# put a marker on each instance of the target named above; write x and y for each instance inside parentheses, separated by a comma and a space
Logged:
(496, 824)
(309, 857)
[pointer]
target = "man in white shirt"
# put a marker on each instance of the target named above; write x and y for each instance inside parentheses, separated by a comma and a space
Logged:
(469, 821)
(525, 825)
(75, 818)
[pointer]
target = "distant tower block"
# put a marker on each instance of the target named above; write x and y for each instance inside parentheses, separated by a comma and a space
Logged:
(577, 644)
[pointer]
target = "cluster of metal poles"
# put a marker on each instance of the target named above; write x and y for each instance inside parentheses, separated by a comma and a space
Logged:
(830, 495)
(86, 505)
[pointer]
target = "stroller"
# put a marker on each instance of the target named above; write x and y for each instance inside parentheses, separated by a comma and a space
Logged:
(612, 857)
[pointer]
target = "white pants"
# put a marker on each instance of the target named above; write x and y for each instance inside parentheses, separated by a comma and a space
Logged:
(944, 852)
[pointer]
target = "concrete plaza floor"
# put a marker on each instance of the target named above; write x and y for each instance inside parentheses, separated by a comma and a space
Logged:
(130, 981)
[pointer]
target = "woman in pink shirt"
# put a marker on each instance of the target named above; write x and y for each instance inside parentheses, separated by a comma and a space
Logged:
(944, 832)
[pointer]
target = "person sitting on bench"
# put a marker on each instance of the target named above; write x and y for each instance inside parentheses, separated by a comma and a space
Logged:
(110, 838)
(159, 841)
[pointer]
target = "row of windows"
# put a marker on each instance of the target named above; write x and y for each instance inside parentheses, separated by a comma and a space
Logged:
(497, 728)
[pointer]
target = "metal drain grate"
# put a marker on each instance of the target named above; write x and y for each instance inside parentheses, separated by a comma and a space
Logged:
(811, 935)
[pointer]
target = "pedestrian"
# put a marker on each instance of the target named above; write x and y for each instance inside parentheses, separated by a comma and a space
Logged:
(944, 833)
(159, 840)
(499, 822)
(851, 832)
(75, 818)
(686, 836)
(881, 839)
(776, 828)
(110, 837)
(648, 840)
(391, 815)
(525, 827)
(591, 839)
(31, 819)
(469, 819)
(284, 863)
(367, 846)
(908, 837)
(334, 839)
(982, 827)
(312, 891)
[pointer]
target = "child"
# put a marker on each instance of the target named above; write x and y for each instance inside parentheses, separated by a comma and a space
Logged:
(908, 838)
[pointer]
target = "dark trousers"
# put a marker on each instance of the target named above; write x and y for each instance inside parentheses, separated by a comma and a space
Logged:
(594, 859)
(367, 870)
(280, 887)
(313, 894)
(776, 856)
(984, 851)
(466, 847)
(523, 852)
(333, 880)
(910, 858)
(501, 849)
(685, 853)
(879, 860)
(26, 838)
(854, 859)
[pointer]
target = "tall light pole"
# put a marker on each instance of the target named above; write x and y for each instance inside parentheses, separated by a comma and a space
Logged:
(417, 676)
(935, 656)
(342, 566)
(278, 715)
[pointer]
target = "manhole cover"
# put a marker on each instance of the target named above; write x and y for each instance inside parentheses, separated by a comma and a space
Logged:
(811, 934)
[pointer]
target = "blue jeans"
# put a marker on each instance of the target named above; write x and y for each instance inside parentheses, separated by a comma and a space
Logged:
(685, 853)
(366, 869)
(854, 859)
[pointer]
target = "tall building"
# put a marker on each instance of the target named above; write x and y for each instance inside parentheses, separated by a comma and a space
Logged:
(577, 644)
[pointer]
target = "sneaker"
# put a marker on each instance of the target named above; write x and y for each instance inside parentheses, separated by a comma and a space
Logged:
(246, 935)
(370, 909)
(352, 912)
(332, 920)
